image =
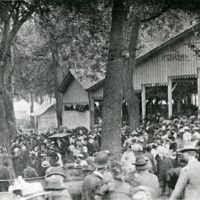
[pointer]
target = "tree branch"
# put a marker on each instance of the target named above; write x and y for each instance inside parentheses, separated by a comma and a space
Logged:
(165, 9)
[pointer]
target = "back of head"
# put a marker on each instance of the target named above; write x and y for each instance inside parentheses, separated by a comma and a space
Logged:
(5, 164)
(101, 160)
(116, 168)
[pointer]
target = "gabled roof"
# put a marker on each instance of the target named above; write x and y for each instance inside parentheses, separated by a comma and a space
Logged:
(168, 43)
(89, 85)
(85, 82)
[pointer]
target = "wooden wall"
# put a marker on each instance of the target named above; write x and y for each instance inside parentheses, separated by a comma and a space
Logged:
(72, 119)
(176, 59)
(48, 120)
(75, 93)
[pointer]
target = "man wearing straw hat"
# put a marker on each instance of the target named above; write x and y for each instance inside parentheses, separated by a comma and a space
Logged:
(188, 184)
(93, 182)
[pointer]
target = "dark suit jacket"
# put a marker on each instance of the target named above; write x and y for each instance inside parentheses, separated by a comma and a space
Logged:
(30, 172)
(91, 184)
(4, 175)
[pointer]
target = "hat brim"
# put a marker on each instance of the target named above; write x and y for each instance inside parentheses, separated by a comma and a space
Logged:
(56, 173)
(139, 165)
(188, 149)
(99, 166)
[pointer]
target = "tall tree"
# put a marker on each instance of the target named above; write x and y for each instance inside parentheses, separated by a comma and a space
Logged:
(12, 17)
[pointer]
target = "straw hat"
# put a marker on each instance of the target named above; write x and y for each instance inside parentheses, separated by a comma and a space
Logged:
(188, 147)
(45, 164)
(140, 162)
(55, 171)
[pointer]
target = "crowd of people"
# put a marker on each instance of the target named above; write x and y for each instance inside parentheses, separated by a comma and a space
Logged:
(154, 158)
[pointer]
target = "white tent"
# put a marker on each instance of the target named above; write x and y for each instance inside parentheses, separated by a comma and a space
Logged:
(42, 108)
(21, 105)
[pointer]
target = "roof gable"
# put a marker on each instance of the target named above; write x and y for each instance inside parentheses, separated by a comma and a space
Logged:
(90, 85)
(163, 46)
(85, 82)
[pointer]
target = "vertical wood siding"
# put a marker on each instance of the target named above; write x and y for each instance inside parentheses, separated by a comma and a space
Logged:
(72, 119)
(47, 120)
(175, 60)
(75, 94)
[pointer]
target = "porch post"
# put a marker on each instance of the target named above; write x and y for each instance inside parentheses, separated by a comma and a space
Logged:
(143, 102)
(169, 97)
(91, 106)
(198, 87)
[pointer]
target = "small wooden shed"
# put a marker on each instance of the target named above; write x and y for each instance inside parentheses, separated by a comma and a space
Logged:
(78, 102)
(45, 116)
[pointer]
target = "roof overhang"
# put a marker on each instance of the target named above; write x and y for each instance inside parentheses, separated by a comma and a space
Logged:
(66, 82)
(167, 44)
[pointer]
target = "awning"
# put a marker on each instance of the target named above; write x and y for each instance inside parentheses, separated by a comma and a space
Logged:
(59, 135)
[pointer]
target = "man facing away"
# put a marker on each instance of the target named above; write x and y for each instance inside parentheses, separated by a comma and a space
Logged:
(93, 182)
(188, 184)
(4, 175)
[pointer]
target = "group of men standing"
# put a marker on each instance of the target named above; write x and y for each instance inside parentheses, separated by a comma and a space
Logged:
(108, 181)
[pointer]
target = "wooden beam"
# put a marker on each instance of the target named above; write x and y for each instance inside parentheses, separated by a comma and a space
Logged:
(198, 87)
(174, 87)
(143, 102)
(91, 107)
(169, 97)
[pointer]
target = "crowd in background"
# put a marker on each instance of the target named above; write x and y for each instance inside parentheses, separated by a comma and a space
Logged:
(154, 144)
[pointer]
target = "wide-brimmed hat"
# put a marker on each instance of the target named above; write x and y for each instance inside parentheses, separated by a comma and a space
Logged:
(32, 190)
(55, 171)
(45, 164)
(101, 160)
(140, 161)
(50, 185)
(188, 147)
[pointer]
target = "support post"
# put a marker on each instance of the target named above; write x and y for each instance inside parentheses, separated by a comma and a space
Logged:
(143, 102)
(169, 97)
(198, 88)
(179, 105)
(91, 106)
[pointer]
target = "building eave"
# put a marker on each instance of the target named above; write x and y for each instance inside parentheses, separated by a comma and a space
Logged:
(163, 46)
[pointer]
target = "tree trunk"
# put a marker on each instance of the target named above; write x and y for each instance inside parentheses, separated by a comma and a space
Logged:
(58, 78)
(32, 108)
(113, 95)
(129, 67)
(7, 122)
(7, 117)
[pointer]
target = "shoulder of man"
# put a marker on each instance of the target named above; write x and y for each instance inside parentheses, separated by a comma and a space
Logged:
(185, 169)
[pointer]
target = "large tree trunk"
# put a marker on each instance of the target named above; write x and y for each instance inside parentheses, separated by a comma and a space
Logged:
(113, 90)
(7, 121)
(129, 67)
(7, 117)
(58, 78)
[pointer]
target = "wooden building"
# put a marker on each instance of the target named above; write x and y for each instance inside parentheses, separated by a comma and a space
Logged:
(77, 99)
(170, 73)
(174, 67)
(45, 116)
